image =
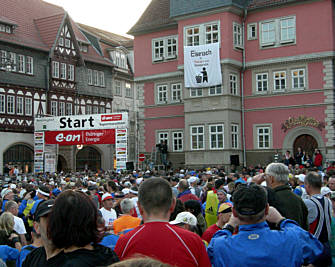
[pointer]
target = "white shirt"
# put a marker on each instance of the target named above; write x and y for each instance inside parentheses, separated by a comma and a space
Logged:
(19, 226)
(109, 216)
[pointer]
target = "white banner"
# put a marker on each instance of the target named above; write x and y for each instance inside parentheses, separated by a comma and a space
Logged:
(82, 122)
(38, 152)
(121, 150)
(202, 65)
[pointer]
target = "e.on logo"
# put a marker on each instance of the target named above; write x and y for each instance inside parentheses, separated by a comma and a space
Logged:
(67, 138)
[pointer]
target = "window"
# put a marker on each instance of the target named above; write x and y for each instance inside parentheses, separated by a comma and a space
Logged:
(123, 61)
(55, 69)
(215, 90)
(2, 28)
(298, 79)
(164, 48)
(176, 92)
(61, 109)
(30, 65)
(71, 72)
(28, 106)
(90, 76)
(61, 41)
(268, 33)
(95, 109)
(68, 108)
(287, 30)
(128, 90)
(262, 82)
(67, 43)
(177, 140)
(63, 71)
(2, 103)
(54, 111)
(163, 136)
(233, 84)
(202, 34)
(237, 35)
(102, 78)
(263, 137)
(216, 136)
(19, 105)
(95, 78)
(252, 31)
(21, 63)
(279, 80)
(3, 59)
(118, 90)
(88, 109)
(12, 57)
(10, 104)
(234, 136)
(195, 92)
(102, 110)
(8, 29)
(119, 58)
(162, 93)
(197, 137)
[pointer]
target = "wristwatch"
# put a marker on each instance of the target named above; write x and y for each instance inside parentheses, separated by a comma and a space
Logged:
(228, 227)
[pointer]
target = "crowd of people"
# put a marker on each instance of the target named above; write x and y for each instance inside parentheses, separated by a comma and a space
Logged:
(279, 215)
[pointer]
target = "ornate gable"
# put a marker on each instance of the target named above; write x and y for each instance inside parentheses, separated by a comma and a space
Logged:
(65, 43)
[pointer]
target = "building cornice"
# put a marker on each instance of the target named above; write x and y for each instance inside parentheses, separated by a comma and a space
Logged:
(286, 107)
(159, 76)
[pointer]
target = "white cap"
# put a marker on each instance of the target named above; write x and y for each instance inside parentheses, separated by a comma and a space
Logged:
(301, 177)
(127, 183)
(147, 171)
(12, 186)
(182, 171)
(325, 190)
(106, 196)
(181, 175)
(5, 191)
(139, 180)
(209, 172)
(192, 179)
(125, 191)
(185, 217)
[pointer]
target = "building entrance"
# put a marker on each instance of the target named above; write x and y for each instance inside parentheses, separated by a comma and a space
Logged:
(19, 155)
(88, 158)
(306, 142)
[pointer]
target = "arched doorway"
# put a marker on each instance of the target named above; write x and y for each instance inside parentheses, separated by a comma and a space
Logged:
(61, 164)
(306, 142)
(19, 155)
(88, 158)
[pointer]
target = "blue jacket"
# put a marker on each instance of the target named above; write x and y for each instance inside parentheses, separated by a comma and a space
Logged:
(23, 254)
(256, 245)
(8, 253)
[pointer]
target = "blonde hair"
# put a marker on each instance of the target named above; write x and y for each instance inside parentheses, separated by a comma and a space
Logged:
(140, 262)
(7, 222)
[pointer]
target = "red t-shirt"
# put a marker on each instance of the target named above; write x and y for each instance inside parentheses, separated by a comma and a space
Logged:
(210, 231)
(165, 242)
(189, 196)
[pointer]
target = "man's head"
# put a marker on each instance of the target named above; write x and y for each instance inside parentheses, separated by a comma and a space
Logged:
(219, 183)
(12, 207)
(126, 206)
(43, 192)
(185, 220)
(183, 185)
(331, 183)
(7, 194)
(313, 183)
(221, 196)
(250, 203)
(155, 197)
(224, 213)
(107, 201)
(276, 174)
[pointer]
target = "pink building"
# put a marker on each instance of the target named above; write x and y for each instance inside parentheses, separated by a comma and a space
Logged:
(277, 90)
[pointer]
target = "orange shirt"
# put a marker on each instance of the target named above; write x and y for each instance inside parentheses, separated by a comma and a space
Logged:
(125, 222)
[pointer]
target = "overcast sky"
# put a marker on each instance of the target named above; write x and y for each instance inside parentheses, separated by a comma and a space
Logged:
(116, 16)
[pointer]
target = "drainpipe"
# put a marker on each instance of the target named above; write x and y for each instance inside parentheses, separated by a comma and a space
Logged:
(242, 87)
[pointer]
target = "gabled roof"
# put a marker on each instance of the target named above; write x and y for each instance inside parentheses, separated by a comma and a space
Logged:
(155, 16)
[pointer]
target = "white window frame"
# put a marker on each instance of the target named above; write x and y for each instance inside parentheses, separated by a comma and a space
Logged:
(234, 136)
(163, 136)
(21, 64)
(3, 59)
(162, 93)
(19, 105)
(177, 141)
(61, 108)
(215, 90)
(88, 109)
(102, 78)
(196, 92)
(30, 65)
(238, 35)
(102, 109)
(260, 80)
(55, 69)
(233, 84)
(298, 77)
(95, 109)
(71, 72)
(54, 108)
(281, 87)
(217, 135)
(287, 28)
(252, 31)
(197, 35)
(61, 41)
(161, 47)
(2, 103)
(95, 78)
(28, 106)
(128, 90)
(89, 77)
(67, 43)
(62, 72)
(266, 32)
(118, 87)
(12, 57)
(68, 109)
(199, 144)
(262, 144)
(10, 104)
(176, 91)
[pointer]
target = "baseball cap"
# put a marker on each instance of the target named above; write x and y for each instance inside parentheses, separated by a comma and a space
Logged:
(249, 199)
(225, 208)
(301, 177)
(5, 191)
(125, 191)
(56, 192)
(106, 196)
(43, 208)
(325, 190)
(192, 179)
(185, 217)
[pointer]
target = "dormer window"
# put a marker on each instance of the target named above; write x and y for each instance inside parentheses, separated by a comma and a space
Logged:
(119, 59)
(83, 47)
(6, 28)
